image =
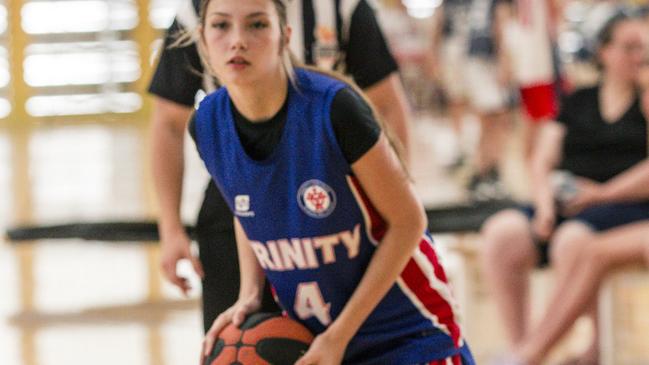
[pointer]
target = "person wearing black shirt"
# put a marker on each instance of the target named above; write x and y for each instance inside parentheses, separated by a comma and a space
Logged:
(362, 52)
(601, 139)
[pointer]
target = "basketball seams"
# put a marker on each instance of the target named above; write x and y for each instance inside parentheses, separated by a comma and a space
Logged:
(262, 339)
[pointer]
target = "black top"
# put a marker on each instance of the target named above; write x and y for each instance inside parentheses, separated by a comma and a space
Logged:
(367, 57)
(351, 118)
(594, 148)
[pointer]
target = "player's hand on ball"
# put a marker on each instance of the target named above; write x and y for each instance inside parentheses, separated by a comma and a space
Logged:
(235, 315)
(325, 350)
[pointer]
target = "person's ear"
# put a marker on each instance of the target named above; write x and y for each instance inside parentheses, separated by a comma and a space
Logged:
(199, 35)
(286, 40)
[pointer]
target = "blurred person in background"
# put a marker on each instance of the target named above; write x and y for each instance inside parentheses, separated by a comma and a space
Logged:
(598, 257)
(337, 34)
(489, 94)
(600, 142)
(448, 56)
(530, 43)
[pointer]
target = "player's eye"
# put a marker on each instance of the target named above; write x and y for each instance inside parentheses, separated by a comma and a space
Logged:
(259, 24)
(220, 25)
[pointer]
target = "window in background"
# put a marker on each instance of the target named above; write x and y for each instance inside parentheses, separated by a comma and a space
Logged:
(83, 57)
(162, 12)
(161, 15)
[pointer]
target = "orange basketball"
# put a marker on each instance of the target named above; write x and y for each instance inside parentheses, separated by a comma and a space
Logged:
(262, 339)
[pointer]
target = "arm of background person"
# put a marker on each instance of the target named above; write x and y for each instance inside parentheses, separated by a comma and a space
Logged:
(168, 125)
(545, 157)
(503, 14)
(371, 64)
(174, 85)
(631, 185)
(389, 98)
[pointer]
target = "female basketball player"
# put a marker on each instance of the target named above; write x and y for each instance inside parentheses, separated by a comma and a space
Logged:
(322, 204)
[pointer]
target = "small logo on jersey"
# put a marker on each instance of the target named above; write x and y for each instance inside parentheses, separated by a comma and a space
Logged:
(242, 206)
(316, 198)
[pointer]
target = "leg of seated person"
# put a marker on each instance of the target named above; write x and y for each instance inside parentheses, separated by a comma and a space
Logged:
(567, 244)
(508, 256)
(602, 218)
(572, 240)
(615, 248)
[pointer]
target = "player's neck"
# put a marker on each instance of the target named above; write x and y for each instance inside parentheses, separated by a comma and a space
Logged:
(261, 100)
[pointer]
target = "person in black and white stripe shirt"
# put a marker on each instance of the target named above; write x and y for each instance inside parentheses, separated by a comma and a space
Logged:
(341, 34)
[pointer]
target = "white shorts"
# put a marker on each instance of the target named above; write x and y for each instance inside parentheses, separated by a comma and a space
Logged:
(485, 93)
(453, 68)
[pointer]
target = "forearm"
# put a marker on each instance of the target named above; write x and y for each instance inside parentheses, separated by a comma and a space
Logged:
(389, 98)
(168, 167)
(631, 185)
(386, 265)
(545, 159)
(397, 116)
(386, 185)
(168, 132)
(250, 272)
(542, 191)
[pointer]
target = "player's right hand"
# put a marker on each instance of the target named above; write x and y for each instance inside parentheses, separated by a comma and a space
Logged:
(235, 315)
(175, 247)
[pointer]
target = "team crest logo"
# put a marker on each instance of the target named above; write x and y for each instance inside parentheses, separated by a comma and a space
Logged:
(242, 206)
(316, 199)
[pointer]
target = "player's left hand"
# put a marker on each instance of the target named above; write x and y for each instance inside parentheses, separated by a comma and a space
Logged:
(589, 193)
(325, 350)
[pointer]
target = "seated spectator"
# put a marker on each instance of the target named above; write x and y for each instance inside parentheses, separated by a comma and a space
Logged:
(619, 247)
(600, 138)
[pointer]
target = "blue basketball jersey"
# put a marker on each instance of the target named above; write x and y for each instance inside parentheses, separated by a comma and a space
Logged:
(314, 230)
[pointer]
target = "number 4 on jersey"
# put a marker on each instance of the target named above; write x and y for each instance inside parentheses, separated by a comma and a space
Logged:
(309, 302)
